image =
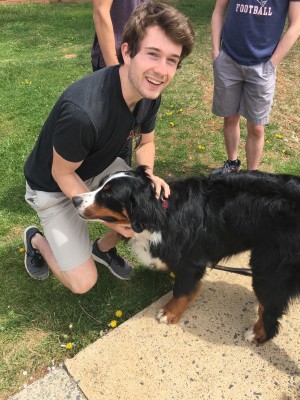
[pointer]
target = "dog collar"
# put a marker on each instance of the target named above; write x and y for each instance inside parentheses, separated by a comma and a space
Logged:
(164, 203)
(163, 200)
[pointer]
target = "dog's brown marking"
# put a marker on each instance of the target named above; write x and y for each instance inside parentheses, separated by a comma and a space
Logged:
(96, 212)
(177, 306)
(258, 330)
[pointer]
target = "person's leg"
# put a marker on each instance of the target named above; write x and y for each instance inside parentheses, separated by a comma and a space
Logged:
(78, 280)
(109, 240)
(66, 247)
(232, 136)
(254, 145)
(228, 90)
(255, 107)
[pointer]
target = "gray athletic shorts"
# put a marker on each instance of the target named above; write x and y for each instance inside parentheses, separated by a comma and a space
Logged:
(65, 231)
(244, 90)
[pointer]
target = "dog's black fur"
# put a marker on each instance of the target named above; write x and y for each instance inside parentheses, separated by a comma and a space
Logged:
(211, 217)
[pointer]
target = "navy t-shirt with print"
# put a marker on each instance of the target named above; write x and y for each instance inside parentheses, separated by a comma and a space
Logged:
(253, 28)
(91, 122)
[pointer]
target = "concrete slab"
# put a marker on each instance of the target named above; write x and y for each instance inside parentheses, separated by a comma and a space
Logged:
(56, 385)
(205, 357)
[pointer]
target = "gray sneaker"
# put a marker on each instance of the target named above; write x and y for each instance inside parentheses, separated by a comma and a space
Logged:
(117, 265)
(34, 262)
(228, 167)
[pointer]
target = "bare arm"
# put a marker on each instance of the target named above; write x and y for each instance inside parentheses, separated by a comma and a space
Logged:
(71, 184)
(290, 36)
(145, 155)
(64, 174)
(217, 21)
(105, 31)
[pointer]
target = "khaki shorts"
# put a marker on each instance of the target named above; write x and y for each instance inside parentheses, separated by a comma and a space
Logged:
(66, 232)
(243, 90)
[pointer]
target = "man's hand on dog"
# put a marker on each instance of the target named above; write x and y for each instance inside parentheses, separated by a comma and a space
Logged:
(160, 185)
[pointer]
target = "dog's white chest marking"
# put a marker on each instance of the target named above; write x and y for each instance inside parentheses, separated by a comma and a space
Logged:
(140, 244)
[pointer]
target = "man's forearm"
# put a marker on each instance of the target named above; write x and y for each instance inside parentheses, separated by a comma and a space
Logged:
(71, 184)
(284, 46)
(145, 155)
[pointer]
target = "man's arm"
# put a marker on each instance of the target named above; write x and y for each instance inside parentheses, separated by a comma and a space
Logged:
(105, 31)
(145, 155)
(290, 36)
(71, 184)
(64, 174)
(217, 21)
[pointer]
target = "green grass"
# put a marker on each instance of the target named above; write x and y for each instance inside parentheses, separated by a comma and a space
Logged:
(35, 316)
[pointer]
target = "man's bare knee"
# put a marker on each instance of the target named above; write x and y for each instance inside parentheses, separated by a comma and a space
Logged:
(81, 279)
(81, 287)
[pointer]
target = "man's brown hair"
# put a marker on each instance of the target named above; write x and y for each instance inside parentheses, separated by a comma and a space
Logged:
(175, 25)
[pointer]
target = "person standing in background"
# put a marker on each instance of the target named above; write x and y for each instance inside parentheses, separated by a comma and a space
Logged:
(247, 46)
(110, 17)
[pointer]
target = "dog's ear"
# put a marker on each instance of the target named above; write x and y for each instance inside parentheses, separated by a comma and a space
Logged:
(144, 210)
(146, 213)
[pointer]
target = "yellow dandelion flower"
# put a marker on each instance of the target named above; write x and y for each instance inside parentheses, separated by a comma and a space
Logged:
(278, 136)
(21, 250)
(180, 110)
(201, 147)
(172, 124)
(113, 323)
(172, 275)
(267, 141)
(169, 113)
(119, 313)
(283, 151)
(69, 345)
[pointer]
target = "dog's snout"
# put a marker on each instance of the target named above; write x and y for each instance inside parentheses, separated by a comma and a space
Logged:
(77, 200)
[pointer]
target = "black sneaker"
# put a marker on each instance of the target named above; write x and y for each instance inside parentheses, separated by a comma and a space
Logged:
(228, 167)
(34, 262)
(117, 265)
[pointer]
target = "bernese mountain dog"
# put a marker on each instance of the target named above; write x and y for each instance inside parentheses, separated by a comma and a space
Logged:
(205, 219)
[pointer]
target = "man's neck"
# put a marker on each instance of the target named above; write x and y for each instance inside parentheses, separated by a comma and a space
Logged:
(130, 96)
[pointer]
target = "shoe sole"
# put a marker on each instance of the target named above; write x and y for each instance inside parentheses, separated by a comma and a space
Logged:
(100, 261)
(25, 245)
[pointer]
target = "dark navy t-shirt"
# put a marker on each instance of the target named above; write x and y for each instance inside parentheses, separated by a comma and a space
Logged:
(253, 28)
(89, 122)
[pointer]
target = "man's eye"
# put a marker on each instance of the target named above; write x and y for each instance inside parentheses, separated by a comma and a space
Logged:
(172, 61)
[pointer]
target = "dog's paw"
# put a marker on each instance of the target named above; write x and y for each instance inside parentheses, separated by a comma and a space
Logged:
(162, 316)
(250, 336)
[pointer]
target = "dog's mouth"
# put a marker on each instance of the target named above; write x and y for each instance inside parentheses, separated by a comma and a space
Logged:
(112, 218)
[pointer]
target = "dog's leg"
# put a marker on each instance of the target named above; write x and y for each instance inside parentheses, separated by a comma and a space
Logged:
(257, 334)
(184, 283)
(273, 296)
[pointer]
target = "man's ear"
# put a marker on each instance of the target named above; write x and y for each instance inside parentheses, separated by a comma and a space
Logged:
(125, 53)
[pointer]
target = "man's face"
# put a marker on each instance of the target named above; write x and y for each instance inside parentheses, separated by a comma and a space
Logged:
(154, 66)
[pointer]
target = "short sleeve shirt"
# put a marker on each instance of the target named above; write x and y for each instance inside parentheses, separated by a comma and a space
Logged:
(90, 122)
(253, 28)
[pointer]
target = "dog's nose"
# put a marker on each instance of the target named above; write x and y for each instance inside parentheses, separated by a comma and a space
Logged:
(77, 200)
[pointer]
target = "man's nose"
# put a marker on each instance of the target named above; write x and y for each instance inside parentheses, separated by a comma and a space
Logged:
(161, 67)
